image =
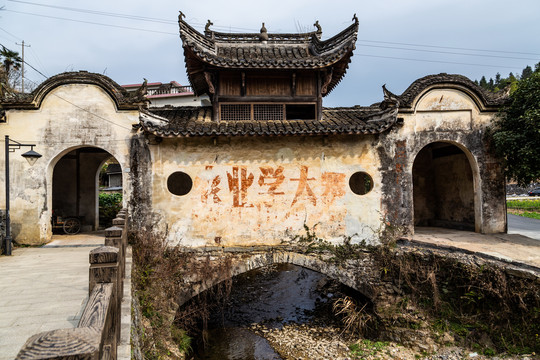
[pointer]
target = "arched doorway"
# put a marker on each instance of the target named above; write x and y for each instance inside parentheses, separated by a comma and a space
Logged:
(443, 186)
(76, 185)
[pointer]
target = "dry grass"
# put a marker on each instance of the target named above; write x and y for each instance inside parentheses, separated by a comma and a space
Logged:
(355, 318)
(159, 272)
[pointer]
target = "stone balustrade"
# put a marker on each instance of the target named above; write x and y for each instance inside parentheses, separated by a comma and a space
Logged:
(98, 333)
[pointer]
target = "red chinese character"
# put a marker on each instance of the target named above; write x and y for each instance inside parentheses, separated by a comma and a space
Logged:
(214, 189)
(238, 185)
(304, 186)
(275, 178)
(334, 185)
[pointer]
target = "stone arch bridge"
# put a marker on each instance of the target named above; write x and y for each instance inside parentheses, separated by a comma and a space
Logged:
(362, 272)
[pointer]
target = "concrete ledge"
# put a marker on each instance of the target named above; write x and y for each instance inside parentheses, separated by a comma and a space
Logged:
(124, 346)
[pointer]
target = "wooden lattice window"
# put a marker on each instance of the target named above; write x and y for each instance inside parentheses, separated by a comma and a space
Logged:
(268, 112)
(235, 112)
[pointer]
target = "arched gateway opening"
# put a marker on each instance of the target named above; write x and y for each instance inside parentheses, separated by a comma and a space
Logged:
(76, 187)
(443, 185)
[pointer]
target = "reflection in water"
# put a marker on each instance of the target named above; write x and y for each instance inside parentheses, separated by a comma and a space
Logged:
(274, 296)
(237, 344)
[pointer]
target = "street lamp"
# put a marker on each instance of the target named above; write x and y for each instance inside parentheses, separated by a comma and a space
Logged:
(31, 156)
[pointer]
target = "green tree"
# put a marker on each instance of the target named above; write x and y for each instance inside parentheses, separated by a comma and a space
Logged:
(526, 72)
(10, 65)
(497, 79)
(491, 85)
(516, 133)
(483, 82)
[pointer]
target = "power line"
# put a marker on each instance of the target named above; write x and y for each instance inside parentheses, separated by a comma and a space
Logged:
(134, 17)
(91, 22)
(436, 61)
(167, 21)
(36, 70)
(7, 32)
(33, 53)
(38, 60)
(91, 113)
(33, 68)
(85, 110)
(119, 15)
(96, 12)
(448, 52)
(47, 142)
(447, 47)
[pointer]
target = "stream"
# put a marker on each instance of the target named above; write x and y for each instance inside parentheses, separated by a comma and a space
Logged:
(267, 298)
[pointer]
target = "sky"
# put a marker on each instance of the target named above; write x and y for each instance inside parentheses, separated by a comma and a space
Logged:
(399, 41)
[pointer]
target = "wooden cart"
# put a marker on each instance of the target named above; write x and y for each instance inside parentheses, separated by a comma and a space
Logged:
(71, 225)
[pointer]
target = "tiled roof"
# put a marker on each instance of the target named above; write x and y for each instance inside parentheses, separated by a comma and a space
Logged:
(271, 51)
(197, 121)
(123, 99)
(487, 99)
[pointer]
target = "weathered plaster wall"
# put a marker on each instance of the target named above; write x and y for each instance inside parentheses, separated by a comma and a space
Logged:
(253, 191)
(263, 190)
(442, 115)
(70, 116)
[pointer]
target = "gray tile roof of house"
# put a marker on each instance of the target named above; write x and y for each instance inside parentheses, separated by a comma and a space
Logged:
(197, 121)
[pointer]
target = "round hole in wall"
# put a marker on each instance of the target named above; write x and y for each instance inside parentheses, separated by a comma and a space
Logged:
(360, 183)
(179, 183)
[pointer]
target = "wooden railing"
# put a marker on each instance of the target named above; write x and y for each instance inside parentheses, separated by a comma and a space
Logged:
(98, 333)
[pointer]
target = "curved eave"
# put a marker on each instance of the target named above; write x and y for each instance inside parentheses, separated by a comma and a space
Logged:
(200, 53)
(340, 68)
(312, 62)
(196, 65)
(345, 36)
(122, 99)
(485, 101)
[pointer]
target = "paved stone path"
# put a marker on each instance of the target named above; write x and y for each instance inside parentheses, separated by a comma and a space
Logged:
(43, 289)
(508, 247)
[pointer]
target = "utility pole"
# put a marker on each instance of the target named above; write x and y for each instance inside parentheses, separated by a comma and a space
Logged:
(22, 69)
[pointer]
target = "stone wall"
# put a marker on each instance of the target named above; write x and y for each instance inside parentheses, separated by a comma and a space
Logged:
(63, 117)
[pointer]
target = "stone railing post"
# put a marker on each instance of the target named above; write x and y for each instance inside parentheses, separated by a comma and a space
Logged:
(113, 237)
(119, 223)
(105, 265)
(98, 331)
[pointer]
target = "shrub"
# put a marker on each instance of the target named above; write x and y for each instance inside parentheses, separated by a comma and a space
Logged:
(109, 206)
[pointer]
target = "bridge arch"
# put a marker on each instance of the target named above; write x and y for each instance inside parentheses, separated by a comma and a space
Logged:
(359, 275)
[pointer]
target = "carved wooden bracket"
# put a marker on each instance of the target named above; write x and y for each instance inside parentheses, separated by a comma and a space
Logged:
(210, 82)
(327, 80)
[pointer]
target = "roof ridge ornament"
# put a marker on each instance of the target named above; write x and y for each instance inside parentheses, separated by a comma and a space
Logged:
(264, 34)
(390, 99)
(207, 28)
(355, 19)
(181, 16)
(140, 94)
(319, 28)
